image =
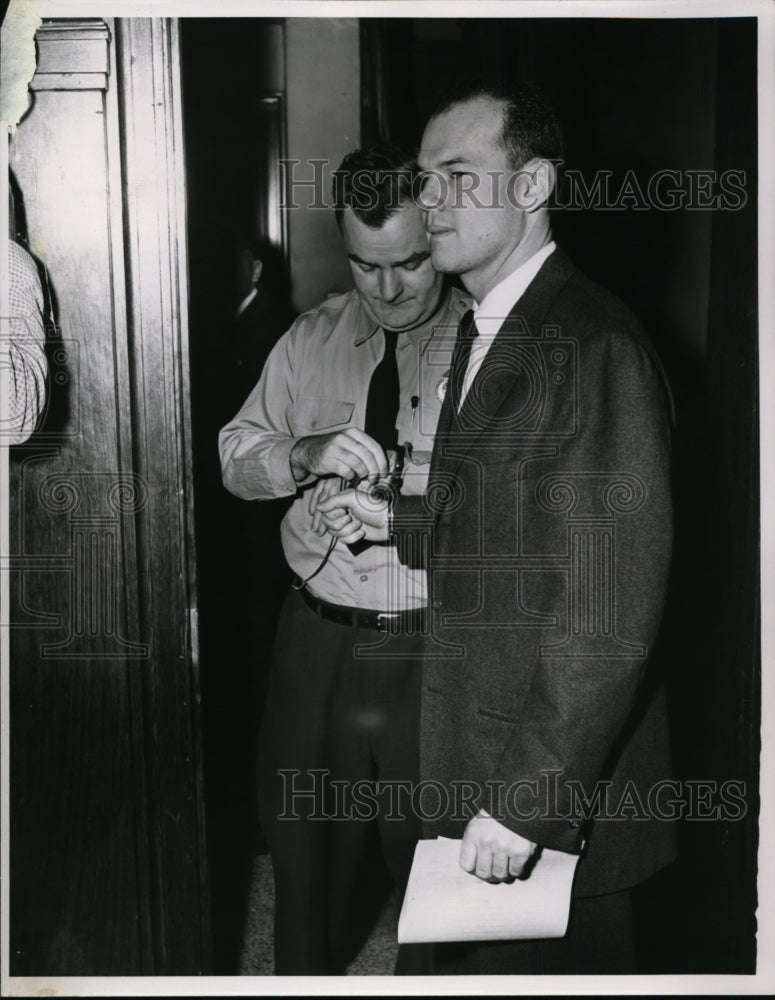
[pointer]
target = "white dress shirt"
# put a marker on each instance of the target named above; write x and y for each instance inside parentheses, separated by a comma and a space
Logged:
(246, 302)
(316, 381)
(495, 307)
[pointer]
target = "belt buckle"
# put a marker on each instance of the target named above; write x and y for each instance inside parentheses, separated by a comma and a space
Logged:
(382, 626)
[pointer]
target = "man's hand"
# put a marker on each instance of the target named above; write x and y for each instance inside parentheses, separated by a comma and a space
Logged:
(350, 454)
(491, 851)
(355, 514)
(322, 490)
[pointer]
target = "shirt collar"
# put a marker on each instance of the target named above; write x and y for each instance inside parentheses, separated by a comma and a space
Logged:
(500, 300)
(365, 328)
(245, 302)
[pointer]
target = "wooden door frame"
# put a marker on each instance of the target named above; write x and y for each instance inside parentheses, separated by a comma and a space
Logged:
(157, 305)
(135, 63)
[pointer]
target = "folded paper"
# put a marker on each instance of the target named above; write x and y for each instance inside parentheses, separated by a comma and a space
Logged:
(445, 903)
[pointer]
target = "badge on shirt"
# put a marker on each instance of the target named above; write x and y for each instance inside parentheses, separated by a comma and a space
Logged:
(441, 386)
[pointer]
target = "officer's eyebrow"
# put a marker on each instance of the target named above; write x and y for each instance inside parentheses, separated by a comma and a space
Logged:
(417, 257)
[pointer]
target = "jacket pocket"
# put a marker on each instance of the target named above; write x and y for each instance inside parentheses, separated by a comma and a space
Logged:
(494, 729)
(316, 413)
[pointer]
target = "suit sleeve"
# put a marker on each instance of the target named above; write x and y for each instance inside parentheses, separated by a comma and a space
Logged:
(580, 703)
(411, 525)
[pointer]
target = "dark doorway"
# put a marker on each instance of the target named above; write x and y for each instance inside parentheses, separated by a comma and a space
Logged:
(232, 95)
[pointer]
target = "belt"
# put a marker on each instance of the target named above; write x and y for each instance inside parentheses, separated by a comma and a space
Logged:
(380, 621)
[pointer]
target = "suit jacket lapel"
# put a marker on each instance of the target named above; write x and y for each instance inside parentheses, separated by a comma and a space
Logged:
(458, 434)
(447, 415)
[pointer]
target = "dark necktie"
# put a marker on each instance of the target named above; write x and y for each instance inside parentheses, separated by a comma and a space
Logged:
(382, 405)
(466, 335)
(383, 399)
(447, 426)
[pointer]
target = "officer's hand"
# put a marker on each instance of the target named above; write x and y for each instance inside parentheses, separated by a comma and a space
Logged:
(491, 851)
(322, 489)
(355, 514)
(350, 454)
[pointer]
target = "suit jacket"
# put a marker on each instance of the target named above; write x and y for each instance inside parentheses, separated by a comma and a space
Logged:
(546, 533)
(254, 333)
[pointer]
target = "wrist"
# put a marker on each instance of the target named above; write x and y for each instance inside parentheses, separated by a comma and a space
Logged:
(298, 460)
(385, 492)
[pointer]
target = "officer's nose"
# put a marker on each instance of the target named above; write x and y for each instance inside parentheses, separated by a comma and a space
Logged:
(390, 286)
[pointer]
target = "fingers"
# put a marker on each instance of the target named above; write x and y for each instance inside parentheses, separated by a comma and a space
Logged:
(516, 865)
(467, 858)
(491, 865)
(499, 868)
(370, 453)
(345, 527)
(364, 507)
(337, 520)
(346, 500)
(312, 507)
(355, 535)
(476, 859)
(492, 852)
(350, 454)
(349, 465)
(322, 489)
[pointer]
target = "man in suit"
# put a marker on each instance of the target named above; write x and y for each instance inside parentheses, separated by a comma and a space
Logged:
(545, 530)
(262, 315)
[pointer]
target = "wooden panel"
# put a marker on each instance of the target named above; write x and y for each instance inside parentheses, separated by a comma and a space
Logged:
(75, 864)
(72, 56)
(156, 245)
(106, 827)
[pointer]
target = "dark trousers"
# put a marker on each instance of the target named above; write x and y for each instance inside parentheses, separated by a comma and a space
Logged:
(334, 718)
(599, 941)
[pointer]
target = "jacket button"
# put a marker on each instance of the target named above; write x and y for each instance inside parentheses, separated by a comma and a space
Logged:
(436, 603)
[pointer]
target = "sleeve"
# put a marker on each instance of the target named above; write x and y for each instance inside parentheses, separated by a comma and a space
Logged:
(255, 446)
(411, 530)
(24, 356)
(579, 706)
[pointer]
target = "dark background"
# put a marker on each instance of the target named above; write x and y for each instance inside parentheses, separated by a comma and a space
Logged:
(634, 95)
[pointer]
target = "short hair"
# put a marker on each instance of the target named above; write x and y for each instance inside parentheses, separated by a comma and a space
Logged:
(375, 182)
(274, 267)
(531, 127)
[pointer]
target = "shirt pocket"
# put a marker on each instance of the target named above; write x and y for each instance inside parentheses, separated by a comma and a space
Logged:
(317, 413)
(417, 424)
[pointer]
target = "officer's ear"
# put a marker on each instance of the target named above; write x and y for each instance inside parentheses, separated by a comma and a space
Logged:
(256, 270)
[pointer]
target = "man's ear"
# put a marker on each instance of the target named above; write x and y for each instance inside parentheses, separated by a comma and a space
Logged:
(546, 179)
(255, 273)
(534, 183)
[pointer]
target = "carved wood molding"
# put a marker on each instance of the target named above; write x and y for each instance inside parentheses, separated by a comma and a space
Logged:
(72, 55)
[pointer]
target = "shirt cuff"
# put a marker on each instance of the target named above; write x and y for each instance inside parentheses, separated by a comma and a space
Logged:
(278, 468)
